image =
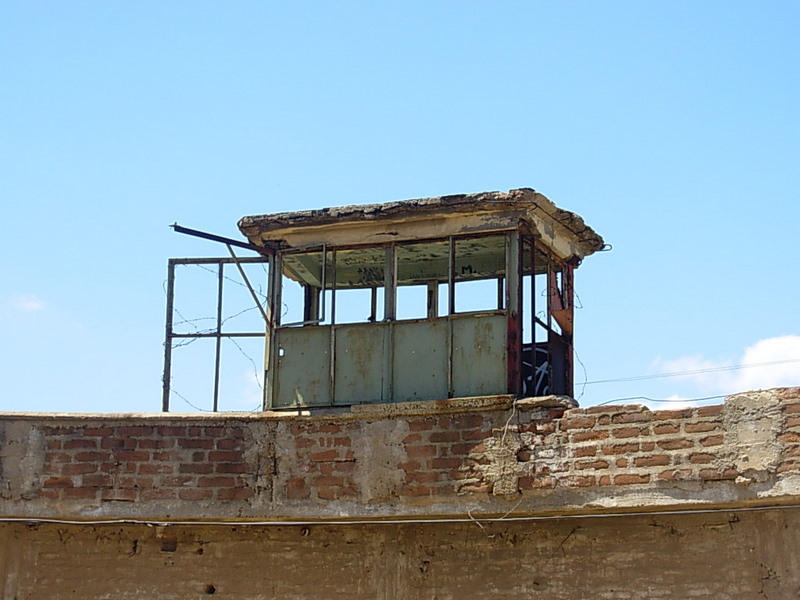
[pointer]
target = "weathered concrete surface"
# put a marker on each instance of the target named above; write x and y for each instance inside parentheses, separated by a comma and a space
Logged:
(563, 231)
(484, 456)
(726, 555)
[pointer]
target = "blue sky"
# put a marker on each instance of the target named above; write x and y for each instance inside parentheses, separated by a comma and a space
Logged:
(672, 128)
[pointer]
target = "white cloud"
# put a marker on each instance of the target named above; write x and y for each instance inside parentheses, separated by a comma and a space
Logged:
(771, 362)
(28, 303)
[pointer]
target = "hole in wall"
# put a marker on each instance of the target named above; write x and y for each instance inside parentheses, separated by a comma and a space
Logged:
(169, 544)
(209, 588)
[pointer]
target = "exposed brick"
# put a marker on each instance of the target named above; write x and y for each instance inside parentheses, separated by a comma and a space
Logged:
(217, 481)
(158, 494)
(714, 410)
(156, 468)
(97, 431)
(587, 436)
(620, 448)
(583, 451)
(225, 455)
(422, 477)
(79, 468)
(156, 443)
(632, 417)
(592, 464)
(700, 427)
(445, 463)
(675, 475)
(171, 430)
(715, 475)
(580, 480)
(659, 460)
(214, 432)
(195, 494)
(578, 423)
(792, 422)
(409, 465)
(675, 444)
(229, 444)
(444, 436)
(604, 480)
(789, 393)
(621, 462)
(630, 479)
(790, 437)
(672, 414)
(58, 482)
(713, 440)
(421, 451)
(133, 431)
(200, 468)
(238, 467)
(700, 458)
(89, 456)
(475, 434)
(421, 425)
(325, 455)
(201, 443)
(666, 429)
(97, 480)
(235, 494)
(132, 455)
(627, 432)
(79, 443)
(128, 495)
(414, 490)
(82, 493)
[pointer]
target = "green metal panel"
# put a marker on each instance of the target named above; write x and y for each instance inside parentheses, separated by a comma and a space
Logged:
(303, 369)
(479, 355)
(359, 368)
(420, 360)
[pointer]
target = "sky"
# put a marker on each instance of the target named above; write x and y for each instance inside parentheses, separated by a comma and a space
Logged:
(671, 128)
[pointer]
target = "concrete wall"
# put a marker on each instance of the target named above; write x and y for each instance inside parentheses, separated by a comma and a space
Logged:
(719, 556)
(540, 499)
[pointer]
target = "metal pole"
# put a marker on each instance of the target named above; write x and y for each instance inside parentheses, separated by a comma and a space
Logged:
(167, 375)
(219, 336)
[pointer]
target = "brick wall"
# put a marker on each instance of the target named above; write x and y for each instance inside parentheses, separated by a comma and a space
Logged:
(440, 458)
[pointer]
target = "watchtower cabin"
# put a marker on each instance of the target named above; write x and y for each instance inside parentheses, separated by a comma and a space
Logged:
(457, 296)
(427, 299)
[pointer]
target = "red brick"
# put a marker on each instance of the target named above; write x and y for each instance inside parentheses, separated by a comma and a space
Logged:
(158, 494)
(165, 456)
(445, 436)
(128, 495)
(79, 468)
(133, 431)
(195, 494)
(710, 411)
(422, 477)
(620, 449)
(465, 449)
(420, 451)
(422, 425)
(225, 456)
(580, 480)
(53, 444)
(659, 460)
(716, 475)
(577, 423)
(409, 465)
(789, 466)
(235, 467)
(79, 443)
(604, 420)
(713, 440)
(342, 441)
(675, 444)
(468, 422)
(200, 443)
(135, 482)
(621, 462)
(647, 446)
(132, 455)
(202, 468)
(229, 444)
(700, 427)
(112, 443)
(789, 393)
(445, 463)
(214, 432)
(665, 429)
(669, 415)
(475, 434)
(591, 464)
(586, 436)
(58, 482)
(97, 480)
(325, 455)
(57, 457)
(156, 469)
(630, 479)
(83, 493)
(632, 417)
(675, 475)
(327, 480)
(792, 422)
(97, 431)
(171, 431)
(157, 443)
(414, 490)
(791, 437)
(583, 451)
(235, 494)
(89, 456)
(176, 481)
(627, 432)
(218, 481)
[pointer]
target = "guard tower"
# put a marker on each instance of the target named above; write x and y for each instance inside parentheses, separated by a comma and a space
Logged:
(457, 296)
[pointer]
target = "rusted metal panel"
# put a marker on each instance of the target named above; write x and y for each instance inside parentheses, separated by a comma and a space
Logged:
(420, 360)
(359, 363)
(479, 355)
(303, 367)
